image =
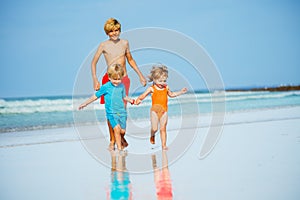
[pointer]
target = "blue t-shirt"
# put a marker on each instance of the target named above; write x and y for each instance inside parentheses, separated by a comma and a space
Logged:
(113, 97)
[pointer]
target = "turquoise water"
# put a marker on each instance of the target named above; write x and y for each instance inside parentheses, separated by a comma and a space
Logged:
(19, 114)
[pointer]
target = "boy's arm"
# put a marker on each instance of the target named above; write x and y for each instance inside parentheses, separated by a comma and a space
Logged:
(134, 66)
(175, 94)
(143, 96)
(94, 66)
(87, 102)
(129, 100)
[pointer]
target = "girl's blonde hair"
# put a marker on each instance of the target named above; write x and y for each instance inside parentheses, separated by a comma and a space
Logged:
(157, 72)
(115, 71)
(111, 25)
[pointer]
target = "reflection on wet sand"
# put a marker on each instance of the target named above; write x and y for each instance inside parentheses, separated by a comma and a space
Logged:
(120, 187)
(162, 178)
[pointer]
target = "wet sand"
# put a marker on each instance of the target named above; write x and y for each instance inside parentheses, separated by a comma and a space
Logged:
(256, 157)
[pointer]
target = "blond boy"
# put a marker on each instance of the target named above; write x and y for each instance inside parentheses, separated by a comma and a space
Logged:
(114, 94)
(115, 51)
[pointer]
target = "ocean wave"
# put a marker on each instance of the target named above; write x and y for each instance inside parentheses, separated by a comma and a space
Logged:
(261, 95)
(27, 106)
(46, 105)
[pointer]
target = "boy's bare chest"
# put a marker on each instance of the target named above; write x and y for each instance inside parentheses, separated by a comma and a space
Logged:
(114, 50)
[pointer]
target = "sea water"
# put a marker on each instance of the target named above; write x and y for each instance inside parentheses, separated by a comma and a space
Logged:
(31, 113)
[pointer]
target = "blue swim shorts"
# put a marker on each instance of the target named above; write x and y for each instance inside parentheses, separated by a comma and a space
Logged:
(116, 119)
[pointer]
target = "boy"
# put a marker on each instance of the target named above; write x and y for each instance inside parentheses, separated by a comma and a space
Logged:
(114, 95)
(115, 51)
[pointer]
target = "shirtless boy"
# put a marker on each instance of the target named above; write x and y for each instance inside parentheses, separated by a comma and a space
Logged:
(115, 51)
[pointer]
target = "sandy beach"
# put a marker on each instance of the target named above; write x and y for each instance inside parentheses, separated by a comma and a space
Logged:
(256, 157)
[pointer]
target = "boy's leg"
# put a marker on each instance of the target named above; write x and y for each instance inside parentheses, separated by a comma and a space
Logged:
(111, 137)
(105, 79)
(154, 126)
(117, 131)
(123, 141)
(126, 82)
(163, 130)
(123, 121)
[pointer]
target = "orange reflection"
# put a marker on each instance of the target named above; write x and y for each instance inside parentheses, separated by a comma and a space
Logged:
(162, 178)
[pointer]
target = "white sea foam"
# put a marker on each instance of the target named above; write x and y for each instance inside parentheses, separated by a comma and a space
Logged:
(46, 105)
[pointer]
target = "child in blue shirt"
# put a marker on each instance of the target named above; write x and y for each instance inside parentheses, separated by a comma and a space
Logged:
(114, 96)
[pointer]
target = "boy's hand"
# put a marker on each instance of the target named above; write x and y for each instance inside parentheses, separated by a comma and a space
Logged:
(81, 107)
(132, 101)
(96, 85)
(143, 81)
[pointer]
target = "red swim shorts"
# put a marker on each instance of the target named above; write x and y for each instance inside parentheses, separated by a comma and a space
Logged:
(125, 81)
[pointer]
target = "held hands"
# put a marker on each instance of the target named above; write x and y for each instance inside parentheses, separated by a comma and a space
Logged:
(137, 101)
(134, 101)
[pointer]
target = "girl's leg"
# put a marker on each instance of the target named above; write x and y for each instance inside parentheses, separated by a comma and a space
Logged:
(163, 130)
(154, 126)
(117, 131)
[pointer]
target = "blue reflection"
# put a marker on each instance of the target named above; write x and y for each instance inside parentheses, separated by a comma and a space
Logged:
(120, 187)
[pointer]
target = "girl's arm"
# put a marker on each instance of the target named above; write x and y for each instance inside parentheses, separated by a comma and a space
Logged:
(175, 94)
(143, 96)
(87, 102)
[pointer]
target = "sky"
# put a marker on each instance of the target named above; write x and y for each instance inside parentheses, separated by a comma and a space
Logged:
(43, 43)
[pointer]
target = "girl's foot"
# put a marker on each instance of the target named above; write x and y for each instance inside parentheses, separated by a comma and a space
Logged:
(152, 139)
(165, 148)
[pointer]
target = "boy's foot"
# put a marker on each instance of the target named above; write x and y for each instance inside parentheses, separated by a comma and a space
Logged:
(124, 142)
(111, 147)
(152, 139)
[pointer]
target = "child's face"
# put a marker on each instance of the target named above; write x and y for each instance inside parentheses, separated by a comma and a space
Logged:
(115, 81)
(161, 82)
(114, 34)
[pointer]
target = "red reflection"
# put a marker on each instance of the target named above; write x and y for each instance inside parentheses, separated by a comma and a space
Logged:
(162, 178)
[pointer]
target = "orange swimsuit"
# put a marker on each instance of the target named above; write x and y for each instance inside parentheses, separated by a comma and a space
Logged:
(159, 101)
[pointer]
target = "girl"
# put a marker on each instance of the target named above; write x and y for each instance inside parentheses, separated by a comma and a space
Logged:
(160, 92)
